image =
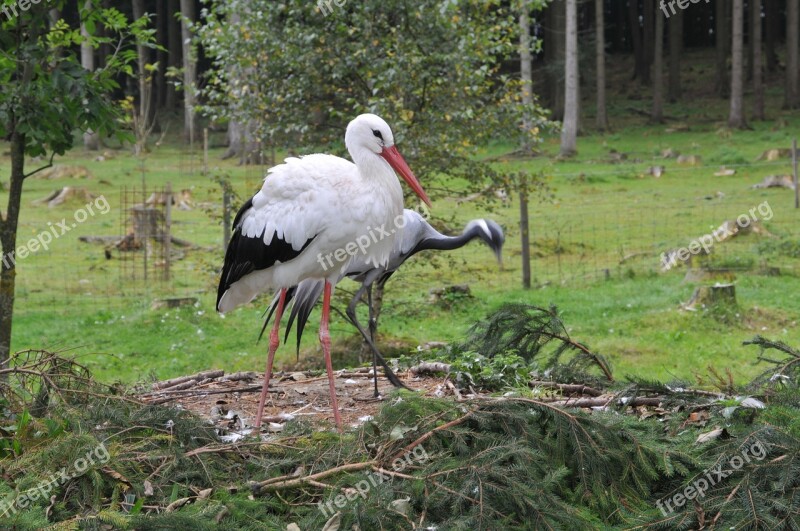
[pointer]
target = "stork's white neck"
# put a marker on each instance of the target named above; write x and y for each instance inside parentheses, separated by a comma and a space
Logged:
(377, 174)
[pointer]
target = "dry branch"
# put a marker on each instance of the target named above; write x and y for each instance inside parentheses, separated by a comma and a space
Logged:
(183, 379)
(567, 388)
(286, 482)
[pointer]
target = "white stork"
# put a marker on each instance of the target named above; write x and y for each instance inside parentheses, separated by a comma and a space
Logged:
(418, 235)
(304, 224)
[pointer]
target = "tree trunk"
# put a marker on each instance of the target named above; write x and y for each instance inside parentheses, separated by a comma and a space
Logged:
(142, 54)
(758, 81)
(658, 70)
(175, 51)
(526, 74)
(792, 97)
(723, 40)
(554, 57)
(189, 70)
(641, 69)
(104, 50)
(748, 31)
(241, 142)
(8, 241)
(90, 140)
(162, 27)
(648, 30)
(620, 25)
(569, 132)
(600, 52)
(736, 118)
(773, 27)
(675, 49)
(142, 124)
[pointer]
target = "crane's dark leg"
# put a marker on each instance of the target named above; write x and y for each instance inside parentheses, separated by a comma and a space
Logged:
(376, 355)
(325, 340)
(372, 339)
(274, 341)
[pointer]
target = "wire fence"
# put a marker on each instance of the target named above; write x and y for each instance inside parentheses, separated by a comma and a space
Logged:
(643, 225)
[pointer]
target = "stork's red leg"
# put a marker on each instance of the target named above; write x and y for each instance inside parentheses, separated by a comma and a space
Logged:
(325, 340)
(274, 341)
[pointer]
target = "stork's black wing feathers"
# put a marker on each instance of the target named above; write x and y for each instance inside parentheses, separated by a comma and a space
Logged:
(245, 255)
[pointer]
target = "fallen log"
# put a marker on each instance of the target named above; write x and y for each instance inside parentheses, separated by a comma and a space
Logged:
(430, 367)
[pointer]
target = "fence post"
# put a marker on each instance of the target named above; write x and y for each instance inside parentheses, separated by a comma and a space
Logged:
(524, 230)
(794, 165)
(167, 230)
(205, 151)
(226, 215)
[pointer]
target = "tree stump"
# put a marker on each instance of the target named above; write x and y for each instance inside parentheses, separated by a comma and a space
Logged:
(708, 274)
(147, 223)
(65, 194)
(173, 303)
(716, 296)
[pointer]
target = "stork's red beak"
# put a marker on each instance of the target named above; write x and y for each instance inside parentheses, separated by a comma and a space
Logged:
(396, 161)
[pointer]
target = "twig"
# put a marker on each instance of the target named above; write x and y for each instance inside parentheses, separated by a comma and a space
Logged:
(286, 482)
(184, 379)
(174, 395)
(392, 473)
(604, 401)
(568, 388)
(429, 434)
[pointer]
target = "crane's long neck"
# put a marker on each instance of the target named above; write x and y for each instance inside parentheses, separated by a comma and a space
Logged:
(440, 242)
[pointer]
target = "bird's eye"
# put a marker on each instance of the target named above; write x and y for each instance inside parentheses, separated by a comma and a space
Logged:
(377, 134)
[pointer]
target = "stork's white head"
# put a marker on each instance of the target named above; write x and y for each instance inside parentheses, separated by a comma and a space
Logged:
(369, 135)
(368, 131)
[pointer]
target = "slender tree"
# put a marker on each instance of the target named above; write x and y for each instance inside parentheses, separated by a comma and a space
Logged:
(722, 35)
(46, 96)
(658, 69)
(675, 50)
(555, 24)
(162, 26)
(144, 116)
(649, 9)
(569, 133)
(758, 81)
(736, 118)
(641, 68)
(175, 57)
(526, 72)
(792, 94)
(91, 141)
(600, 59)
(773, 29)
(241, 141)
(189, 70)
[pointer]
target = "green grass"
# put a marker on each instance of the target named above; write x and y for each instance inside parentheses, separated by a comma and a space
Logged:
(595, 250)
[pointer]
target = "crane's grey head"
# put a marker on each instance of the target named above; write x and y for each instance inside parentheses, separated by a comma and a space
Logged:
(491, 233)
(368, 131)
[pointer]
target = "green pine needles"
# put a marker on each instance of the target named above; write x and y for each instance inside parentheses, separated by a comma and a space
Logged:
(639, 454)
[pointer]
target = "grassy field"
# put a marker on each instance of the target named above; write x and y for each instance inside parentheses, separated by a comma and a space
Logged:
(605, 210)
